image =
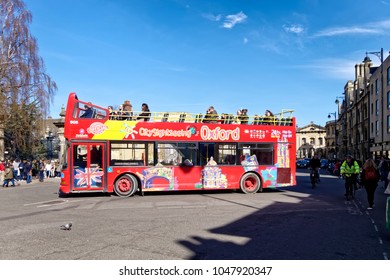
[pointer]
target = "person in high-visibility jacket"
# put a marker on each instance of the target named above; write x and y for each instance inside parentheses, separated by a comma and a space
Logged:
(349, 170)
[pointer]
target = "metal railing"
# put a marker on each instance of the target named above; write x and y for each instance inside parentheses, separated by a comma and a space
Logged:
(282, 118)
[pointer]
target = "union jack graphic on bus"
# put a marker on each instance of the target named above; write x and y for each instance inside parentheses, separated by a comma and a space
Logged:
(88, 176)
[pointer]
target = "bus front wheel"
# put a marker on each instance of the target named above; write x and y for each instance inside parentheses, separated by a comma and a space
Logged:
(126, 185)
(250, 183)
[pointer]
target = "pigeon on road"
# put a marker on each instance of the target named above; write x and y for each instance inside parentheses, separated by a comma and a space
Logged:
(67, 226)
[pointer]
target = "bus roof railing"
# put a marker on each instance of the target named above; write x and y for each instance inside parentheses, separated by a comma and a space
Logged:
(282, 118)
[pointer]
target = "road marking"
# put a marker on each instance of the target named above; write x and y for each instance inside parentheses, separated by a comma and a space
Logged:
(47, 201)
(375, 228)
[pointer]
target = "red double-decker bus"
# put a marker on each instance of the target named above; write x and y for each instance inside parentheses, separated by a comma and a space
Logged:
(125, 153)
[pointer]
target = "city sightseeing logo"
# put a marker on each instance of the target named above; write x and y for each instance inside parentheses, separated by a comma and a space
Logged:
(97, 128)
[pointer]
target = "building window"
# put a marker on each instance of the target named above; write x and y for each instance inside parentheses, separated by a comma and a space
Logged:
(388, 100)
(388, 75)
(303, 141)
(312, 141)
(320, 141)
(376, 108)
(376, 87)
(376, 127)
(358, 115)
(388, 123)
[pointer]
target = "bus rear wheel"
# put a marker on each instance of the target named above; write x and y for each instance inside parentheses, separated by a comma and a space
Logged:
(126, 185)
(250, 183)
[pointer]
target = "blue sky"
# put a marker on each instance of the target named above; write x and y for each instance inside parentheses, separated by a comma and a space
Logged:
(185, 55)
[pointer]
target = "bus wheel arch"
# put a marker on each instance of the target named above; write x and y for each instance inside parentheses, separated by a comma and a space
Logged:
(126, 185)
(250, 182)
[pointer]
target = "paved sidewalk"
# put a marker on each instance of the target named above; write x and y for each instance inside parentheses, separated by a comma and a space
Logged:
(23, 183)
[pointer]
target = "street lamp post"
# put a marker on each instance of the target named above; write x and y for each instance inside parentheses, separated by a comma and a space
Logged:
(337, 101)
(49, 139)
(335, 131)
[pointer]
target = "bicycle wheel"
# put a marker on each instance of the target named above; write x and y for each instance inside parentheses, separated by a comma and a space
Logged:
(350, 193)
(313, 181)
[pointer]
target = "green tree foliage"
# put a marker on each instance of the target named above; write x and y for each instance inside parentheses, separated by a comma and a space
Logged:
(26, 91)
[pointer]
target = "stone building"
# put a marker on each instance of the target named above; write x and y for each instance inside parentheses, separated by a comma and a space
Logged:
(363, 122)
(331, 145)
(311, 139)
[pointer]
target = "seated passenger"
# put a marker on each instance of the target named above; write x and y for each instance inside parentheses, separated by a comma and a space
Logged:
(242, 116)
(269, 118)
(111, 112)
(88, 111)
(224, 118)
(211, 115)
(127, 110)
(145, 114)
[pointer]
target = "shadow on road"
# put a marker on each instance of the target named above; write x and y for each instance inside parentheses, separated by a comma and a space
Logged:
(320, 226)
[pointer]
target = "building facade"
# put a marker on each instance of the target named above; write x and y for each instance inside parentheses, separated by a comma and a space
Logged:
(311, 139)
(363, 122)
(331, 146)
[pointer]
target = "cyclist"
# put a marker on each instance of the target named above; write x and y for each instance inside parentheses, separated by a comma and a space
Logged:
(314, 166)
(349, 170)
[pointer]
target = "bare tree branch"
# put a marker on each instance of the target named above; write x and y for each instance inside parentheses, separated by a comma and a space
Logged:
(26, 91)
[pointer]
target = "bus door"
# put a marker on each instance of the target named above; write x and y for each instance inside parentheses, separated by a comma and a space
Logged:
(88, 164)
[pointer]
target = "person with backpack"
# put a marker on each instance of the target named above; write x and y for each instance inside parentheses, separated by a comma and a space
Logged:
(369, 178)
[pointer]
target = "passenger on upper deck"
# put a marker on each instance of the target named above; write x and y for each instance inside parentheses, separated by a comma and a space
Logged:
(269, 117)
(211, 115)
(127, 110)
(242, 116)
(112, 114)
(145, 114)
(88, 111)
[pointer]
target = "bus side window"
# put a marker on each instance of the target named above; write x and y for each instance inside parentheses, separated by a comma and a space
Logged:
(96, 155)
(80, 156)
(206, 151)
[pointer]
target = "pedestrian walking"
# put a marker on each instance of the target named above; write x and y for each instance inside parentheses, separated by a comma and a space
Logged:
(369, 178)
(2, 168)
(9, 176)
(16, 170)
(48, 169)
(27, 170)
(41, 170)
(383, 171)
(35, 169)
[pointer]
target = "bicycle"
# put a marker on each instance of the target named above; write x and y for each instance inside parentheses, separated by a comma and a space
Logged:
(314, 177)
(349, 186)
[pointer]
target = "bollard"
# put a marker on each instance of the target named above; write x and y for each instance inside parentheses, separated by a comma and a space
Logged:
(388, 213)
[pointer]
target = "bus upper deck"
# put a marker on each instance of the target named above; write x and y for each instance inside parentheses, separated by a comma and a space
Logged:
(91, 111)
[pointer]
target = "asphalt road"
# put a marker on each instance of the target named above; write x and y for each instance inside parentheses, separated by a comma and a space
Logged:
(295, 223)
